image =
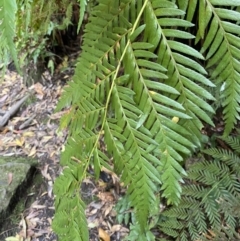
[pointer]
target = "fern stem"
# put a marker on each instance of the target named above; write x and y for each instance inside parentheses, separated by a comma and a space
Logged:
(113, 84)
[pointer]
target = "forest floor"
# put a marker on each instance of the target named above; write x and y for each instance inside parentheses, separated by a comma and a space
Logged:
(33, 132)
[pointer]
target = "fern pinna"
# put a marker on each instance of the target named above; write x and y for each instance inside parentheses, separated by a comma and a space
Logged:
(218, 25)
(209, 207)
(139, 86)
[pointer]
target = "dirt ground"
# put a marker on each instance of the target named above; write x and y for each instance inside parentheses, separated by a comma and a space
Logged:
(33, 131)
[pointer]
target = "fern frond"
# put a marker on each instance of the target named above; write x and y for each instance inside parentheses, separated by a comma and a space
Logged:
(83, 4)
(233, 142)
(219, 28)
(67, 20)
(227, 156)
(209, 199)
(7, 29)
(69, 208)
(182, 75)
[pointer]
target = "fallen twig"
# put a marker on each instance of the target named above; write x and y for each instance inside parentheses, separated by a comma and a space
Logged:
(27, 122)
(4, 119)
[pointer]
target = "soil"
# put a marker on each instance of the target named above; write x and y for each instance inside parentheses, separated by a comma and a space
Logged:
(33, 132)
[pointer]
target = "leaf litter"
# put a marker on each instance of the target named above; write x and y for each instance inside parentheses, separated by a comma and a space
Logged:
(33, 131)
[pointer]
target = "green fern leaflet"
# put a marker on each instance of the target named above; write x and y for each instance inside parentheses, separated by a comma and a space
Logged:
(210, 199)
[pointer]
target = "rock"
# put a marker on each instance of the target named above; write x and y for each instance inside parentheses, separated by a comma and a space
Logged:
(15, 173)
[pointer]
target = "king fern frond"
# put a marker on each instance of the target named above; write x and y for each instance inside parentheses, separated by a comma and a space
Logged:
(69, 220)
(219, 27)
(82, 4)
(233, 142)
(138, 87)
(7, 31)
(210, 199)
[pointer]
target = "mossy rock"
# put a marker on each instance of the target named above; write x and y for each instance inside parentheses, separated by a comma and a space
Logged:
(15, 174)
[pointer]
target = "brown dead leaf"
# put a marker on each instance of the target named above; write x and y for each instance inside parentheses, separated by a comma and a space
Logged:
(212, 233)
(46, 139)
(104, 236)
(3, 98)
(40, 233)
(115, 228)
(108, 210)
(5, 130)
(50, 221)
(28, 133)
(106, 196)
(32, 152)
(94, 211)
(39, 88)
(58, 115)
(45, 173)
(50, 188)
(44, 193)
(38, 206)
(20, 142)
(32, 214)
(24, 227)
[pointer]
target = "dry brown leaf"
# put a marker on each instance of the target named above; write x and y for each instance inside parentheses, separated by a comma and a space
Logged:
(32, 214)
(50, 188)
(46, 139)
(94, 211)
(32, 223)
(108, 210)
(32, 152)
(20, 142)
(39, 88)
(115, 228)
(38, 206)
(45, 173)
(212, 233)
(50, 221)
(23, 232)
(58, 115)
(106, 196)
(44, 193)
(28, 133)
(5, 130)
(2, 99)
(52, 153)
(104, 236)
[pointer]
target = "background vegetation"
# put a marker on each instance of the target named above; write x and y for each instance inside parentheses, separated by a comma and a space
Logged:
(158, 82)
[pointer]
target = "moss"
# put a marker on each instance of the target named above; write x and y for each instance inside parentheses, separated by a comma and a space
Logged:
(21, 199)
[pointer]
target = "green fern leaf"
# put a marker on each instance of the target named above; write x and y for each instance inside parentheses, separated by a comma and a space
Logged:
(209, 199)
(69, 208)
(83, 4)
(221, 43)
(7, 28)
